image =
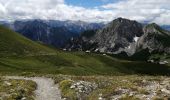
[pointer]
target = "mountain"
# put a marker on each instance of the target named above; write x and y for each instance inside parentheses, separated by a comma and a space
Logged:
(51, 32)
(83, 42)
(118, 36)
(40, 31)
(155, 39)
(21, 56)
(124, 36)
(75, 26)
(166, 27)
(35, 30)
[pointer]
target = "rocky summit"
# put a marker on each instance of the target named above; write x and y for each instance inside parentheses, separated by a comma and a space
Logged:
(119, 35)
(125, 36)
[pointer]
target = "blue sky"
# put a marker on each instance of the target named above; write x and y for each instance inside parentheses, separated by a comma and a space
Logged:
(157, 11)
(89, 3)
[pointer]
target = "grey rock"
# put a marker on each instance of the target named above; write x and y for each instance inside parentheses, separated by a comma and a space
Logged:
(123, 35)
(119, 35)
(155, 39)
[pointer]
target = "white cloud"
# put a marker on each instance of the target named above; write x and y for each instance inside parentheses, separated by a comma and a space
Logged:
(49, 9)
(163, 18)
(142, 10)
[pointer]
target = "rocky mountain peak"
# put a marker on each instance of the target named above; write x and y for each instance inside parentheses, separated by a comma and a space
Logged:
(118, 35)
(124, 36)
(122, 20)
(153, 28)
(155, 39)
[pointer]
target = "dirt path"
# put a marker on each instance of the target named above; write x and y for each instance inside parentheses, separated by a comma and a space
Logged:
(46, 89)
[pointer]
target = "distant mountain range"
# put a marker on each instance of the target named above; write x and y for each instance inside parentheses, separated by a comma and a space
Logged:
(51, 32)
(119, 36)
(166, 27)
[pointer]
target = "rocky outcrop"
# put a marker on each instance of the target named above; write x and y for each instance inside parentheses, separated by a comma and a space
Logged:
(118, 36)
(83, 42)
(155, 39)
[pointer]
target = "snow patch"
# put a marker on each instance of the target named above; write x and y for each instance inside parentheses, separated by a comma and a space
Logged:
(129, 47)
(136, 38)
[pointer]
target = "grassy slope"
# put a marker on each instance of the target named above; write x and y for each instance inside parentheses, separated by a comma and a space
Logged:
(12, 43)
(18, 55)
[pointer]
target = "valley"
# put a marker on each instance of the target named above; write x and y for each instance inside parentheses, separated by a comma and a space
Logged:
(83, 70)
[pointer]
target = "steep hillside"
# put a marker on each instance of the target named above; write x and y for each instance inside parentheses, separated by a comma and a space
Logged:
(12, 44)
(155, 39)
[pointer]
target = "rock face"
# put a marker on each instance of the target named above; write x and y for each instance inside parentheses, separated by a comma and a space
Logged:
(119, 35)
(124, 36)
(38, 30)
(75, 26)
(83, 42)
(155, 39)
